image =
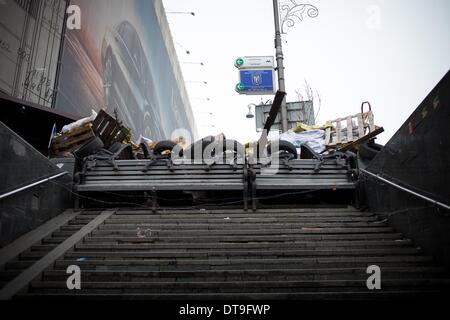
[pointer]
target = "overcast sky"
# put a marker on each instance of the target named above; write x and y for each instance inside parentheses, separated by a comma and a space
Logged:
(388, 52)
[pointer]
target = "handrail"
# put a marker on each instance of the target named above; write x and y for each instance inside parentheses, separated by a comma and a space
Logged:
(435, 202)
(5, 195)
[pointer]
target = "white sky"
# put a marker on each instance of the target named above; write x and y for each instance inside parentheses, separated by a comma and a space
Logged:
(341, 53)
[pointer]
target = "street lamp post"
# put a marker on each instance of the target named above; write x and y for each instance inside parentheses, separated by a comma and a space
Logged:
(280, 65)
(293, 10)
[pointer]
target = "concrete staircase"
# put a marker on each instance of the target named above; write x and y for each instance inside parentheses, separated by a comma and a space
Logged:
(303, 253)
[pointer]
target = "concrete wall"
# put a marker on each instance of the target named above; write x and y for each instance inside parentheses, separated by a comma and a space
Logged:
(418, 158)
(22, 165)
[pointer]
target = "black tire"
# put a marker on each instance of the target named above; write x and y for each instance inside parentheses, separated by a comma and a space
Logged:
(201, 144)
(367, 151)
(88, 148)
(145, 150)
(284, 145)
(166, 145)
(123, 151)
(222, 146)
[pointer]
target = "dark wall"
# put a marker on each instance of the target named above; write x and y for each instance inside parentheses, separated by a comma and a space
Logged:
(32, 122)
(22, 165)
(418, 158)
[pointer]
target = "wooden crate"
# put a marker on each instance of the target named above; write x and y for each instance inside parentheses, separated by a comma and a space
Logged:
(346, 133)
(109, 129)
(70, 141)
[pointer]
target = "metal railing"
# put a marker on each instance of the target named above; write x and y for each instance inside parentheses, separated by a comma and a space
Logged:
(435, 202)
(8, 194)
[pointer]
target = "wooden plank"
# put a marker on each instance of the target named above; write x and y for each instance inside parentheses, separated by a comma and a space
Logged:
(75, 140)
(106, 136)
(360, 126)
(368, 136)
(100, 120)
(327, 135)
(23, 279)
(349, 129)
(371, 121)
(74, 133)
(338, 132)
(27, 240)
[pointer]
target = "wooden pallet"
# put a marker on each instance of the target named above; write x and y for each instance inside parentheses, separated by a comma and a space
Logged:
(347, 133)
(109, 129)
(72, 140)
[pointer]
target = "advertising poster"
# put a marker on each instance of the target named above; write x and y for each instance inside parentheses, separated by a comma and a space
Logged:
(119, 60)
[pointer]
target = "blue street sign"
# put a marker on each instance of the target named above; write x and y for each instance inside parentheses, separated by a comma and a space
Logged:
(256, 81)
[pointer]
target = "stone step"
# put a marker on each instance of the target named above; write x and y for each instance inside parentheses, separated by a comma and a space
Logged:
(239, 286)
(234, 226)
(230, 219)
(232, 254)
(430, 295)
(246, 264)
(309, 263)
(238, 232)
(248, 275)
(240, 239)
(338, 245)
(244, 215)
(217, 210)
(301, 253)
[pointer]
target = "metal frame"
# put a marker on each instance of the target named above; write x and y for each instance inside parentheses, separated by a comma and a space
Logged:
(150, 176)
(303, 174)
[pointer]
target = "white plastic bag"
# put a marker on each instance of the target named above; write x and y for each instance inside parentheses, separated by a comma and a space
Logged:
(313, 138)
(79, 123)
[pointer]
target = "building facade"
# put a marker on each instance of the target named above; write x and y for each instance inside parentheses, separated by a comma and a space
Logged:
(30, 41)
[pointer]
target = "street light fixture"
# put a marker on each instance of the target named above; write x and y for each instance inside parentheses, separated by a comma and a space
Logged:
(205, 112)
(186, 50)
(250, 115)
(181, 12)
(188, 62)
(202, 82)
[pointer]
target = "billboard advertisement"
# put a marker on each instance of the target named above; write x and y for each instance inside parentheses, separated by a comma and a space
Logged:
(122, 58)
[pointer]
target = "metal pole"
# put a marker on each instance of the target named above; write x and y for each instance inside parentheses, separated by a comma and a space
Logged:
(280, 65)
